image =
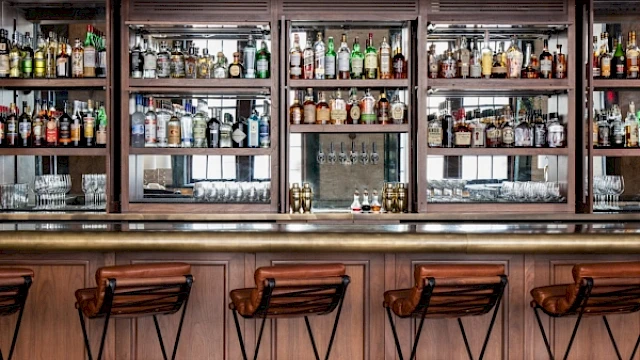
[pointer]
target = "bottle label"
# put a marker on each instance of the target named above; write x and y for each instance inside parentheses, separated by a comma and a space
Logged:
(596, 70)
(465, 59)
(308, 65)
(546, 66)
(150, 62)
(1, 132)
(200, 134)
(620, 67)
(264, 131)
(39, 65)
(449, 69)
(434, 137)
(177, 66)
(383, 114)
(343, 61)
(190, 69)
(77, 66)
(556, 137)
(368, 112)
(603, 135)
(338, 116)
(487, 64)
(25, 129)
(4, 64)
(310, 114)
(330, 66)
(493, 135)
(75, 132)
(11, 128)
(52, 132)
(62, 67)
(433, 67)
(296, 60)
(560, 70)
(150, 130)
(37, 131)
(463, 138)
(385, 64)
(397, 114)
(164, 67)
(238, 136)
(323, 115)
(355, 113)
(508, 136)
(605, 67)
(478, 136)
(137, 130)
(101, 137)
(161, 129)
(515, 65)
(102, 60)
(475, 71)
(522, 137)
(540, 135)
(618, 134)
(89, 57)
(234, 71)
(14, 62)
(371, 62)
(296, 116)
(319, 65)
(357, 67)
(65, 132)
(262, 65)
(632, 64)
(27, 65)
(174, 134)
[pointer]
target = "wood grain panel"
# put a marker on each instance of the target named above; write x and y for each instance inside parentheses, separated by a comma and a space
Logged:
(360, 332)
(208, 332)
(50, 327)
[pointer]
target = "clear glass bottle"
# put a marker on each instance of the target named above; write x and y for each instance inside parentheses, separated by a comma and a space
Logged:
(236, 70)
(151, 126)
(539, 130)
(448, 66)
(514, 60)
(357, 60)
(163, 116)
(204, 66)
(249, 58)
(338, 115)
(137, 125)
(478, 131)
(499, 68)
(295, 59)
(633, 57)
(398, 110)
(14, 58)
(177, 61)
(330, 60)
(383, 108)
(200, 125)
(296, 111)
(319, 51)
(556, 137)
(356, 207)
(371, 60)
(523, 134)
(186, 126)
(353, 107)
(77, 60)
(309, 61)
(163, 70)
(263, 62)
(323, 112)
(434, 63)
(39, 59)
(26, 62)
(51, 59)
(465, 59)
(220, 70)
(617, 127)
(344, 59)
(487, 57)
(150, 66)
(191, 63)
(384, 59)
(368, 114)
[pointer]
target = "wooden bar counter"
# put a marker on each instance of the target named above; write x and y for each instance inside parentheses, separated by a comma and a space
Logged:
(379, 257)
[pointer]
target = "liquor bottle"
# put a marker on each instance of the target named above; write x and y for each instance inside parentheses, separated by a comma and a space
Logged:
(619, 62)
(462, 133)
(477, 132)
(101, 133)
(319, 52)
(309, 62)
(560, 69)
(368, 113)
(263, 62)
(190, 63)
(555, 138)
(253, 130)
(330, 60)
(163, 69)
(523, 133)
(353, 107)
(546, 62)
(514, 60)
(475, 63)
(150, 65)
(383, 109)
(633, 57)
(12, 126)
(37, 127)
(26, 62)
(370, 60)
(398, 110)
(399, 61)
(508, 135)
(323, 112)
(493, 135)
(101, 57)
(236, 70)
(76, 124)
(465, 59)
(5, 48)
(226, 131)
(39, 58)
(338, 110)
(366, 206)
(596, 58)
(214, 129)
(539, 130)
(434, 132)
(200, 125)
(163, 116)
(64, 123)
(89, 125)
(3, 127)
(375, 202)
(89, 59)
(617, 127)
(174, 138)
(136, 59)
(186, 126)
(249, 58)
(487, 57)
(24, 126)
(499, 67)
(137, 125)
(604, 131)
(357, 61)
(264, 128)
(449, 65)
(295, 59)
(221, 71)
(296, 110)
(384, 59)
(177, 61)
(14, 58)
(356, 207)
(605, 58)
(448, 131)
(309, 108)
(51, 56)
(238, 135)
(63, 66)
(151, 125)
(203, 67)
(51, 125)
(77, 60)
(344, 59)
(529, 71)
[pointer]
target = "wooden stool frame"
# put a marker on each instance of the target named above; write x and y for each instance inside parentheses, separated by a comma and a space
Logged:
(20, 300)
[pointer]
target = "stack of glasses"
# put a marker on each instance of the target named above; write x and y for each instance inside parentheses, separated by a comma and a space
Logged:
(232, 192)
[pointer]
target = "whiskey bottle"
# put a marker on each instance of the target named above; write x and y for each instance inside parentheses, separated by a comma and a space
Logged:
(344, 59)
(398, 110)
(191, 63)
(39, 58)
(493, 135)
(89, 59)
(295, 59)
(399, 61)
(499, 67)
(475, 63)
(330, 60)
(24, 126)
(353, 107)
(65, 127)
(508, 136)
(204, 65)
(309, 62)
(539, 130)
(546, 62)
(309, 107)
(605, 58)
(150, 66)
(26, 62)
(338, 115)
(371, 60)
(296, 111)
(14, 58)
(151, 126)
(357, 61)
(383, 109)
(560, 64)
(163, 68)
(448, 67)
(263, 62)
(487, 57)
(37, 127)
(617, 127)
(135, 57)
(384, 59)
(556, 130)
(619, 62)
(523, 134)
(596, 59)
(51, 125)
(529, 71)
(631, 127)
(249, 58)
(434, 133)
(514, 60)
(633, 57)
(177, 61)
(465, 59)
(5, 48)
(434, 63)
(368, 113)
(319, 51)
(77, 60)
(89, 125)
(12, 127)
(323, 112)
(236, 70)
(462, 133)
(63, 65)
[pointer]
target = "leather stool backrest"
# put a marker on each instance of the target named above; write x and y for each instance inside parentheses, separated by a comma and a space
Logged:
(14, 286)
(294, 290)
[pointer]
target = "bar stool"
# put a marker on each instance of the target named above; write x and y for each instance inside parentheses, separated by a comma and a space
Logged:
(291, 291)
(599, 289)
(14, 289)
(134, 291)
(448, 291)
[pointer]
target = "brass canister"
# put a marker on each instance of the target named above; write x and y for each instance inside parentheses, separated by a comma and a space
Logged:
(307, 198)
(403, 198)
(391, 199)
(295, 195)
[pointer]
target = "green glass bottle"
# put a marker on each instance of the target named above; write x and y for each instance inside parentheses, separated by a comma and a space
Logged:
(330, 61)
(263, 62)
(619, 61)
(357, 61)
(371, 60)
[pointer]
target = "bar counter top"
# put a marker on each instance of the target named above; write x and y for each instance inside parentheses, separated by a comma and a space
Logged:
(433, 237)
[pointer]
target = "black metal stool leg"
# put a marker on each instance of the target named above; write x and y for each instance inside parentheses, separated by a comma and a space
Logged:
(1, 357)
(464, 337)
(313, 342)
(613, 340)
(184, 311)
(573, 335)
(84, 334)
(264, 320)
(544, 335)
(635, 349)
(244, 351)
(104, 334)
(15, 333)
(335, 323)
(493, 321)
(395, 334)
(417, 339)
(164, 352)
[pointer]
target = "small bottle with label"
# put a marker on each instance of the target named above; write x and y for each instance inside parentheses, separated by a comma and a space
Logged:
(296, 111)
(508, 134)
(434, 136)
(236, 70)
(368, 113)
(398, 110)
(323, 112)
(383, 109)
(546, 62)
(462, 133)
(338, 115)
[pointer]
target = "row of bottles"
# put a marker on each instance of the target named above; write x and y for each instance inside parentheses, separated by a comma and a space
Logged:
(176, 126)
(465, 61)
(354, 110)
(147, 62)
(319, 61)
(53, 57)
(395, 199)
(619, 63)
(496, 128)
(609, 130)
(48, 127)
